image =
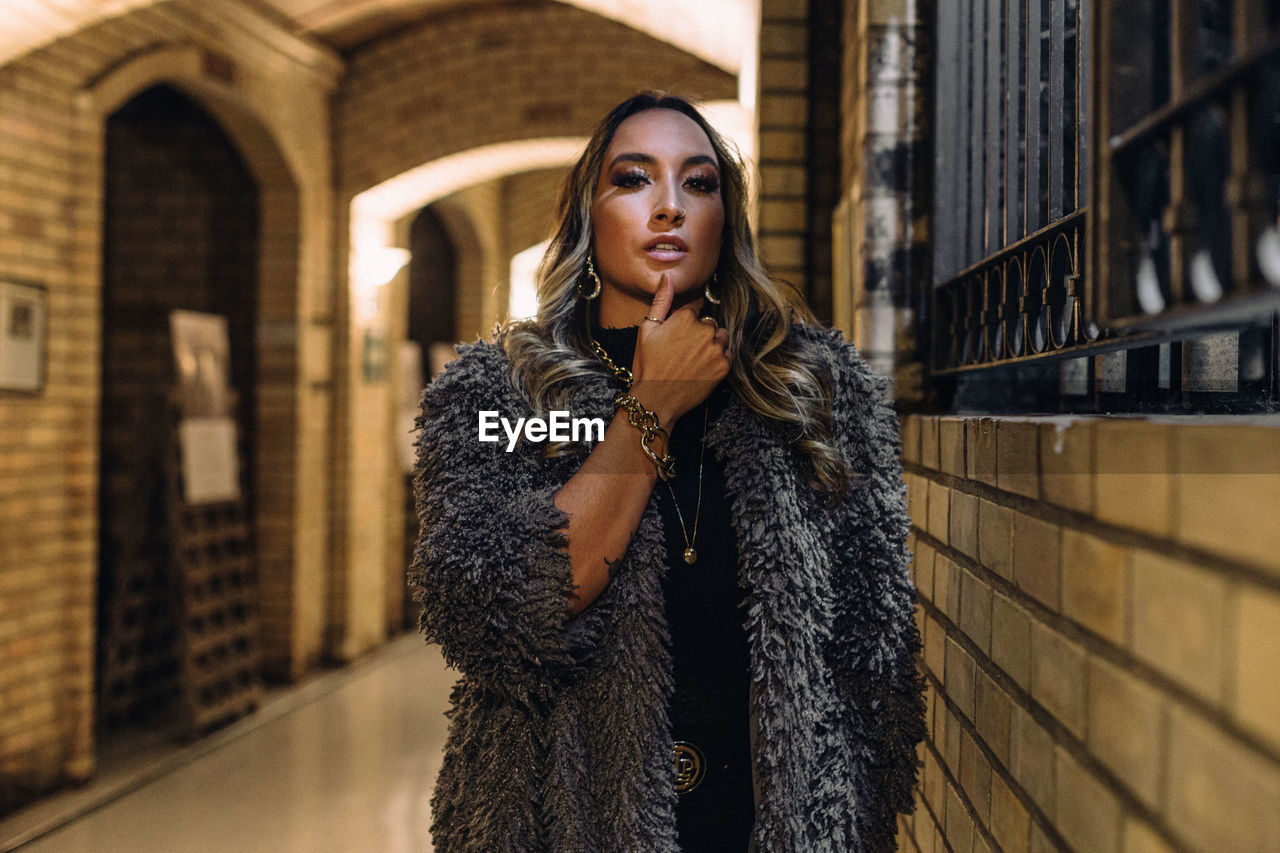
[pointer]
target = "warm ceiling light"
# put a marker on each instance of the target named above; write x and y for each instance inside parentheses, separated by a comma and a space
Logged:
(721, 32)
(418, 187)
(30, 24)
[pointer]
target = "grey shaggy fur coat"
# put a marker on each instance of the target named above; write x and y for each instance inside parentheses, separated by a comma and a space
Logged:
(560, 739)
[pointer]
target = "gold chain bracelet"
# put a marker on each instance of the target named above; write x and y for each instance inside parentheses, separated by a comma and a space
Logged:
(647, 422)
(640, 417)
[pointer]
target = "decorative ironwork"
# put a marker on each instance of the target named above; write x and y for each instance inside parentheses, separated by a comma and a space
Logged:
(1176, 233)
(1024, 302)
(1189, 177)
(1012, 168)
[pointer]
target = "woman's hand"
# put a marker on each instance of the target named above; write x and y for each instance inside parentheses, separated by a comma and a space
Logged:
(677, 364)
(679, 359)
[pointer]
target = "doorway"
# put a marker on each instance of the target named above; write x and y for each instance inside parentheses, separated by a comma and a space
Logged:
(180, 231)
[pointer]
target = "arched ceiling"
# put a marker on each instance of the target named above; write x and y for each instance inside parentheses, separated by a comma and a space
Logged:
(721, 32)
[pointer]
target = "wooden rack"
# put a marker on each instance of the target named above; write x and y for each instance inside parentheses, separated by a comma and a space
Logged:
(213, 558)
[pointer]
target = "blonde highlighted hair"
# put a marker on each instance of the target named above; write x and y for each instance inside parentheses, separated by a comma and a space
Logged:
(770, 374)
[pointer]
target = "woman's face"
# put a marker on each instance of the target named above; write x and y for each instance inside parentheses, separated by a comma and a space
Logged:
(657, 209)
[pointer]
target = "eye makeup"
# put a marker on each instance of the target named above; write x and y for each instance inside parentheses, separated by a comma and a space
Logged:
(629, 178)
(701, 182)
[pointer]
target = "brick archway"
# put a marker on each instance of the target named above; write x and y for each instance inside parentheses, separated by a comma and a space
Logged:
(279, 268)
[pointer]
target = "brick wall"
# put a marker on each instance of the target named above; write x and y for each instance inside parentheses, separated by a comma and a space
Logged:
(1100, 602)
(529, 209)
(505, 72)
(798, 121)
(782, 119)
(1099, 599)
(272, 101)
(883, 251)
(48, 453)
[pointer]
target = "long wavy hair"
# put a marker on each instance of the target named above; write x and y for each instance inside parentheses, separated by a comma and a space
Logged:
(551, 352)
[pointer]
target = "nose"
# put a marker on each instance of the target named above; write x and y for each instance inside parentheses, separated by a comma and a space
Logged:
(668, 210)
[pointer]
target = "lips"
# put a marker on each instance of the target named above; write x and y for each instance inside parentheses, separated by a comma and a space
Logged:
(667, 247)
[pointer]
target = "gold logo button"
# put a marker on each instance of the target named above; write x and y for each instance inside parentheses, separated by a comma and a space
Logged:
(691, 766)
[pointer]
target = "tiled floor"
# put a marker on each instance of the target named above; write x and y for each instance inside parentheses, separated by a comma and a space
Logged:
(350, 769)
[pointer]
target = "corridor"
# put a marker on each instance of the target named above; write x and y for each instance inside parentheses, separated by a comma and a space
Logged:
(345, 763)
(239, 237)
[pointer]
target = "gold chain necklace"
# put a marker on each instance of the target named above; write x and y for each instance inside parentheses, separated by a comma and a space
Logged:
(690, 553)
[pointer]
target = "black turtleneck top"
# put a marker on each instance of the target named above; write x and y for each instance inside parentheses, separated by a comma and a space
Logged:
(709, 706)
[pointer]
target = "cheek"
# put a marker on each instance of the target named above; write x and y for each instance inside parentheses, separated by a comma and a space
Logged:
(713, 230)
(607, 231)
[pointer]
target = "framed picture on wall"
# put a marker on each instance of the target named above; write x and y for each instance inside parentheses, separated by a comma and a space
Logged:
(23, 323)
(202, 363)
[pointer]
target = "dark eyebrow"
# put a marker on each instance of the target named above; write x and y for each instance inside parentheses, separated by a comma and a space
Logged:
(648, 159)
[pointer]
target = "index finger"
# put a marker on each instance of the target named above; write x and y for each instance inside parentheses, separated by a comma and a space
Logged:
(662, 299)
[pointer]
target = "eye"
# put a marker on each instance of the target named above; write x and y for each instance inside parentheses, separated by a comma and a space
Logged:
(702, 183)
(630, 179)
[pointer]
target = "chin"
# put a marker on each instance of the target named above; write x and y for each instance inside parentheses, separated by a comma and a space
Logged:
(686, 283)
(688, 294)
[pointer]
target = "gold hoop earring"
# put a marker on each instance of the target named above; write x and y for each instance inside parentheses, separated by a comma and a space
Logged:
(591, 274)
(706, 290)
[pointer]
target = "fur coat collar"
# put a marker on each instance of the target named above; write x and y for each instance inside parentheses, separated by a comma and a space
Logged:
(560, 739)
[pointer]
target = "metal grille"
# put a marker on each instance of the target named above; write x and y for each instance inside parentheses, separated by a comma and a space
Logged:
(1190, 172)
(1012, 171)
(213, 560)
(1108, 180)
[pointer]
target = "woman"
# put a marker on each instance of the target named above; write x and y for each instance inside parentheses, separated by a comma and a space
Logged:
(696, 633)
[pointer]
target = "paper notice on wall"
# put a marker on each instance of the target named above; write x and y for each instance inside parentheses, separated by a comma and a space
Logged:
(202, 359)
(22, 337)
(210, 467)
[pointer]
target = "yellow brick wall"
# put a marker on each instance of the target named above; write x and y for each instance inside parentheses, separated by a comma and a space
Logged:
(782, 118)
(501, 73)
(1100, 604)
(1099, 599)
(270, 91)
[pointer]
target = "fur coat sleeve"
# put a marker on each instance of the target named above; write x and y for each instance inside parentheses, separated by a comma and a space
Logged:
(560, 738)
(490, 569)
(875, 640)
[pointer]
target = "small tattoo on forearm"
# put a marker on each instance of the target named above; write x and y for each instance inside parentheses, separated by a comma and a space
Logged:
(613, 566)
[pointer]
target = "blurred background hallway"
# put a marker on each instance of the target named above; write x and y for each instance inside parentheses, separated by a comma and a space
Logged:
(342, 763)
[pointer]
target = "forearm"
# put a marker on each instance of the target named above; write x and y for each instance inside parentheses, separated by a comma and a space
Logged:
(678, 361)
(604, 501)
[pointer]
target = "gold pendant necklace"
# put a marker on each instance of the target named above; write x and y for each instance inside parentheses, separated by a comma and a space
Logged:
(690, 553)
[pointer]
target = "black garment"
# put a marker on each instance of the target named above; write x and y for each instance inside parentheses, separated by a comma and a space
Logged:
(710, 658)
(562, 710)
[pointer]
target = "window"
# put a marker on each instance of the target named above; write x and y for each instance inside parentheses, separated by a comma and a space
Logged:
(1106, 220)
